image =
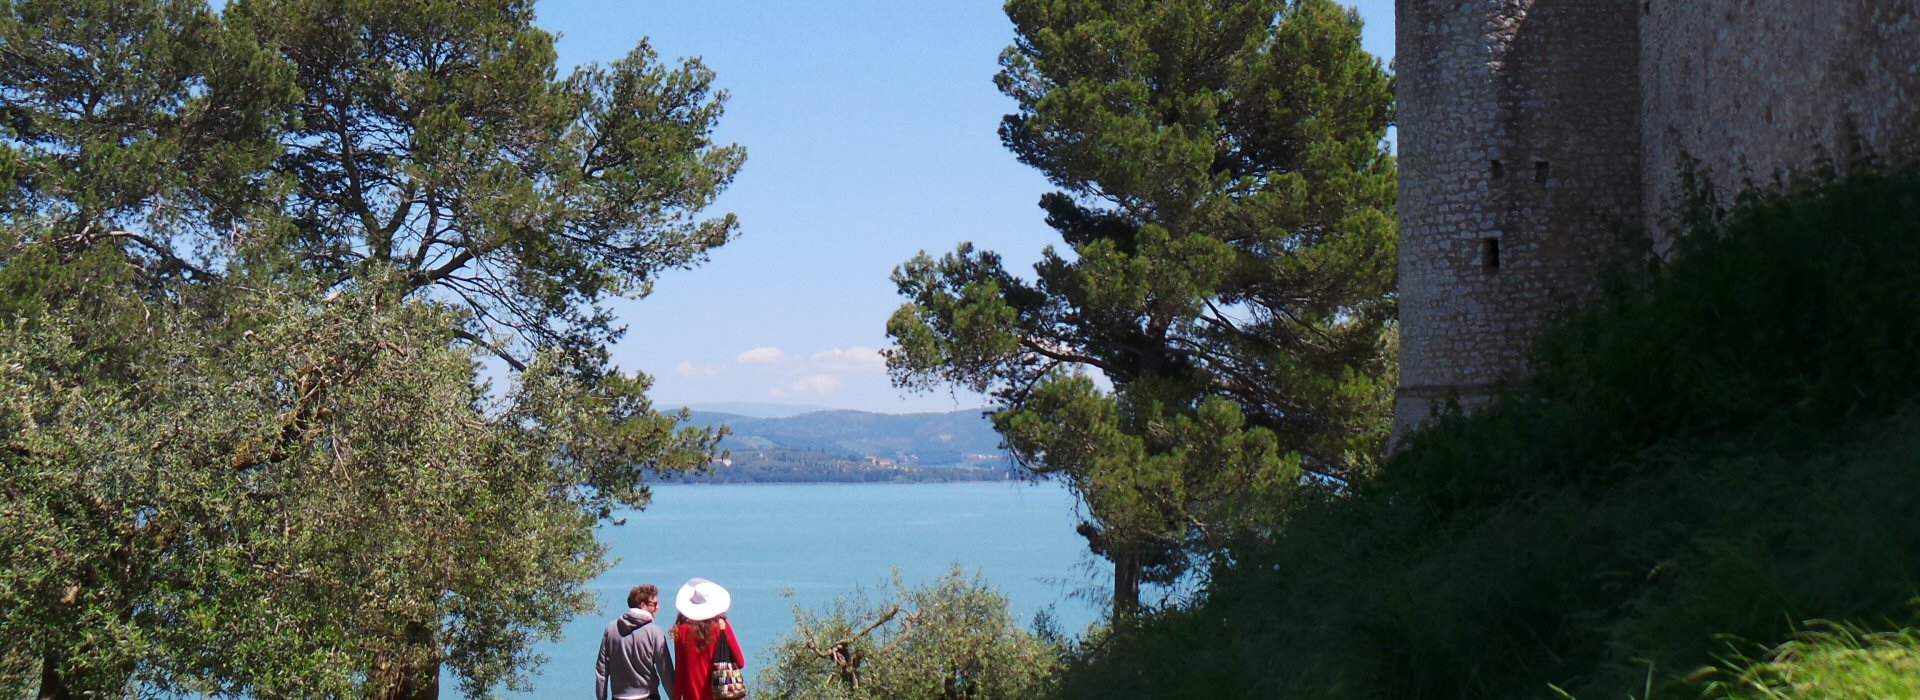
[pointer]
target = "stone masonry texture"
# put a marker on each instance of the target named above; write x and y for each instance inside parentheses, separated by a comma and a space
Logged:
(1537, 137)
(1757, 89)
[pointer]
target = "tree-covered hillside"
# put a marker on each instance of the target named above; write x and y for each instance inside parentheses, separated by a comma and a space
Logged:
(958, 438)
(855, 446)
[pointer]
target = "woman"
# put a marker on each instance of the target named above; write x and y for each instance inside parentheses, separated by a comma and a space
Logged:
(699, 636)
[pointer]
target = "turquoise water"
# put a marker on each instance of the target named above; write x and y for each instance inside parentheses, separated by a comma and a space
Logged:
(823, 539)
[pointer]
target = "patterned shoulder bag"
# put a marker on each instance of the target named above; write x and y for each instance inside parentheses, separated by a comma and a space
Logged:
(725, 679)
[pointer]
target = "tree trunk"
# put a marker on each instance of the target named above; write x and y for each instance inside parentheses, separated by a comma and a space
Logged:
(416, 682)
(407, 679)
(60, 683)
(1126, 582)
(52, 685)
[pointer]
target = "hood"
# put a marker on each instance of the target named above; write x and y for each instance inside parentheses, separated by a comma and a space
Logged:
(634, 619)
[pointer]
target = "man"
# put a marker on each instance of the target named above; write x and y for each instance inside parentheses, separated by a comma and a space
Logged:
(633, 662)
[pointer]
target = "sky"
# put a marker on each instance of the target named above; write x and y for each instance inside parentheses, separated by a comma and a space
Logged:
(870, 134)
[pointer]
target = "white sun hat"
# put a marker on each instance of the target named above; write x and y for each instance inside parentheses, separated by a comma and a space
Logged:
(700, 599)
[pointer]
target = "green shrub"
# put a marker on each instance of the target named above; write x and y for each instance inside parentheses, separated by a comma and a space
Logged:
(952, 639)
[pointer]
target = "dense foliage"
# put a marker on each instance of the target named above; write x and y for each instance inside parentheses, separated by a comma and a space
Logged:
(951, 639)
(295, 511)
(351, 138)
(1226, 201)
(246, 260)
(1722, 444)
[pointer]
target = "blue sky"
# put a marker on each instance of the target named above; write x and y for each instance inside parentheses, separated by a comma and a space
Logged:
(869, 128)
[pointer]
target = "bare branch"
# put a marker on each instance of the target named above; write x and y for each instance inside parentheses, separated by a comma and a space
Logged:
(511, 361)
(163, 251)
(1062, 355)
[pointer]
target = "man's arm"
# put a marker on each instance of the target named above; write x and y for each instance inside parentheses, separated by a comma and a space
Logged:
(666, 668)
(600, 671)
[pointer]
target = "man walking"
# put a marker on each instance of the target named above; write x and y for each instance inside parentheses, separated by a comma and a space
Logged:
(633, 662)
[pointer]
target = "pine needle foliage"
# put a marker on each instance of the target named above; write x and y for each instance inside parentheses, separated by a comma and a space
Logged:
(1225, 210)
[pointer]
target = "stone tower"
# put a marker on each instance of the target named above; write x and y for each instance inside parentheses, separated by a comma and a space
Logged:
(1519, 132)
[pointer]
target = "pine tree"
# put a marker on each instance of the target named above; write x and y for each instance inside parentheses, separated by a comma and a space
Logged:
(1226, 202)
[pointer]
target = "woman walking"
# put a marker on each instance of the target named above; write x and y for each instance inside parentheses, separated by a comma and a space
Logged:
(706, 656)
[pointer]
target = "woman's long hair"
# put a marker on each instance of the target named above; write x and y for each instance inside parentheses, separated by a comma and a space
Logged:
(702, 629)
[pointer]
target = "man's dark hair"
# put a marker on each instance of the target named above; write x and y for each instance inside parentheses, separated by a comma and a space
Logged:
(641, 594)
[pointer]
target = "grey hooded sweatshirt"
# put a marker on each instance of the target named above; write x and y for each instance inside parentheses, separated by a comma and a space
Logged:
(633, 659)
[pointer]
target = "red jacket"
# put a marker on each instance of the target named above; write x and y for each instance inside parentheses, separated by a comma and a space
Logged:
(692, 661)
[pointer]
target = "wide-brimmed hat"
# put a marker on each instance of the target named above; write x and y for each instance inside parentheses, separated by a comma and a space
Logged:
(700, 599)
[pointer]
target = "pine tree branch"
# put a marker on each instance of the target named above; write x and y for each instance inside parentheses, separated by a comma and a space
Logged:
(163, 251)
(504, 356)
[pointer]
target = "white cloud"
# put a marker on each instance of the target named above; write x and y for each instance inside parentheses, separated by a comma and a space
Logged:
(856, 359)
(693, 371)
(814, 384)
(760, 356)
(819, 374)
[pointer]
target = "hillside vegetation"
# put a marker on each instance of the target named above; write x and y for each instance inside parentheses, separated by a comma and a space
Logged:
(854, 447)
(947, 439)
(1715, 451)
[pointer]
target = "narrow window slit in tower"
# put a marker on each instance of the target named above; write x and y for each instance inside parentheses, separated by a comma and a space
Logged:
(1490, 253)
(1498, 171)
(1540, 171)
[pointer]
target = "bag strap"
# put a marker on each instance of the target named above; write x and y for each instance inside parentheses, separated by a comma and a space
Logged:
(723, 652)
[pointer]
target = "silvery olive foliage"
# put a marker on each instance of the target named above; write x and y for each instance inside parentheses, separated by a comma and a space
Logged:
(316, 506)
(952, 638)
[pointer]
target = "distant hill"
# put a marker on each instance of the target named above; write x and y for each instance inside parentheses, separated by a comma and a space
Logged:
(932, 440)
(757, 410)
(788, 465)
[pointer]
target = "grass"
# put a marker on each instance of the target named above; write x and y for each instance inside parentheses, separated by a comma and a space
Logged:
(1832, 660)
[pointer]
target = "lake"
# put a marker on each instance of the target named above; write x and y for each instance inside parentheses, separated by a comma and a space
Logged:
(818, 540)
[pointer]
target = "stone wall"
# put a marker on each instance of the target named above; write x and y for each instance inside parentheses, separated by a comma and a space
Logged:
(1752, 88)
(1519, 157)
(1533, 132)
